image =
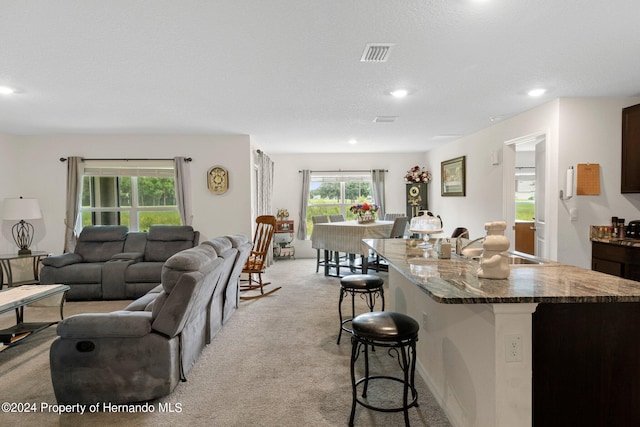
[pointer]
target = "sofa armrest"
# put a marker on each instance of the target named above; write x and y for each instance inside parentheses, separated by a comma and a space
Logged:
(61, 260)
(131, 256)
(117, 324)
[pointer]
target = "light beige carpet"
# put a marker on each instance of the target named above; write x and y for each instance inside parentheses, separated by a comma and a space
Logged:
(275, 363)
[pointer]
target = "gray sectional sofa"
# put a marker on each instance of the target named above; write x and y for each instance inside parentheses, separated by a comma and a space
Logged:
(110, 263)
(142, 352)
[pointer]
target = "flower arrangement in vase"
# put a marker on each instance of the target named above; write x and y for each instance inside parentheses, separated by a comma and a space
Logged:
(417, 174)
(282, 214)
(364, 212)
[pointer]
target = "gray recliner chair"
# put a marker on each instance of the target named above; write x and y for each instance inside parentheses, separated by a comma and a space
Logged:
(136, 355)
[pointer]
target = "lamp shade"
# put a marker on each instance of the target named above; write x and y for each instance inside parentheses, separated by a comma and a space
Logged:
(21, 208)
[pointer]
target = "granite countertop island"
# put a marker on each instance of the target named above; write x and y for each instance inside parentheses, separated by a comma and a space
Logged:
(515, 352)
(455, 281)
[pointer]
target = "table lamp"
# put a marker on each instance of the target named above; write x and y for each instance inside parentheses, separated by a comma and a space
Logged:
(21, 209)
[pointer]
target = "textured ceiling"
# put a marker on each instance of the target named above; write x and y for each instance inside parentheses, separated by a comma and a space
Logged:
(288, 72)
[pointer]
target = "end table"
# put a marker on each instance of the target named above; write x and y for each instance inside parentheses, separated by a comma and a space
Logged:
(5, 268)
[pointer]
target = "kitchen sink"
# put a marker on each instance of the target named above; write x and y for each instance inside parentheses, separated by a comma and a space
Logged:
(515, 258)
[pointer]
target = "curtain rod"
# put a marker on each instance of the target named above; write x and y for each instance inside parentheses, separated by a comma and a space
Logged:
(344, 170)
(187, 159)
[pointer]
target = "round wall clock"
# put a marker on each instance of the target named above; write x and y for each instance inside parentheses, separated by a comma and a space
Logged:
(218, 180)
(414, 190)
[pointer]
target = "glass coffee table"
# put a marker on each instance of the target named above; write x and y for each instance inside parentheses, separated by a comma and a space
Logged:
(17, 298)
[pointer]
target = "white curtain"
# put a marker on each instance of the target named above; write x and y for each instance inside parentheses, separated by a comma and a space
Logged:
(304, 202)
(265, 189)
(74, 192)
(377, 178)
(182, 181)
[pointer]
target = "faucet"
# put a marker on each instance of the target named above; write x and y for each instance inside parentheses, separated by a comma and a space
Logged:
(460, 247)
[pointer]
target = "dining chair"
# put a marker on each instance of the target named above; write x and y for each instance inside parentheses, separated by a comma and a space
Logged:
(460, 232)
(399, 227)
(255, 264)
(392, 216)
(319, 219)
(339, 258)
(397, 232)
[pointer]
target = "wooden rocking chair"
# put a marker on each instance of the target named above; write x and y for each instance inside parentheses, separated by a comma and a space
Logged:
(255, 264)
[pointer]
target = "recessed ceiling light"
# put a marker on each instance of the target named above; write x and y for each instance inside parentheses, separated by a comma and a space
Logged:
(399, 93)
(6, 90)
(537, 92)
(353, 141)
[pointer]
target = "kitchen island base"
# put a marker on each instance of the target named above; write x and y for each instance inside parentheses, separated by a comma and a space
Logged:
(461, 356)
(576, 364)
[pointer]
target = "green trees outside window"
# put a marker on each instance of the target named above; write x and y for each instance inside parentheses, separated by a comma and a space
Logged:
(135, 201)
(332, 195)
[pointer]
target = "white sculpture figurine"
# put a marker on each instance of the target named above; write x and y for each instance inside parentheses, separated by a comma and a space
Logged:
(493, 265)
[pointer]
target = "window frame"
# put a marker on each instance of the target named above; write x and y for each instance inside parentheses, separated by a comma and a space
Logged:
(119, 169)
(343, 204)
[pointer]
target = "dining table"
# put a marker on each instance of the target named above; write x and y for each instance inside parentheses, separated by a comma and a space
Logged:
(347, 237)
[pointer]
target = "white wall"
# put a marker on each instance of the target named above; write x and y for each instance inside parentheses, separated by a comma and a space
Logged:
(288, 181)
(33, 169)
(11, 163)
(484, 181)
(578, 131)
(591, 132)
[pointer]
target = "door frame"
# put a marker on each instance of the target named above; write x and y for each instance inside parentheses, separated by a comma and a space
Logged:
(509, 184)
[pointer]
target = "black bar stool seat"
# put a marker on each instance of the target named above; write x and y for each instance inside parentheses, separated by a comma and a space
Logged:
(369, 286)
(399, 333)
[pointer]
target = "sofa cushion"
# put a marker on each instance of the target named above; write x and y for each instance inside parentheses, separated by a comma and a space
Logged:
(84, 273)
(117, 324)
(167, 233)
(166, 240)
(193, 259)
(103, 233)
(98, 243)
(61, 260)
(143, 272)
(237, 240)
(220, 244)
(144, 303)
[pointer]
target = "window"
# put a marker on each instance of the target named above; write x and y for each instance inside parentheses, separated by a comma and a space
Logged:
(525, 193)
(334, 193)
(137, 194)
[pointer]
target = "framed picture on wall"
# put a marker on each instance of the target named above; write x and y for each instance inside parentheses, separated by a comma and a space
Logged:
(453, 177)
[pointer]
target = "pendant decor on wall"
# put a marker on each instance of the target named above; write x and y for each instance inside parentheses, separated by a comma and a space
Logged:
(218, 180)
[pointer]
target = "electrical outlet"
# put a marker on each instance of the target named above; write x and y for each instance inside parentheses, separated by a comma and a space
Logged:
(513, 348)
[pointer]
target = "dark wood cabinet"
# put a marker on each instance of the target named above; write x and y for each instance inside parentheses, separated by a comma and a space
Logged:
(630, 182)
(585, 365)
(615, 259)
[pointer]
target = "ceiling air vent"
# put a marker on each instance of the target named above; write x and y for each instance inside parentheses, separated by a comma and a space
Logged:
(385, 119)
(376, 52)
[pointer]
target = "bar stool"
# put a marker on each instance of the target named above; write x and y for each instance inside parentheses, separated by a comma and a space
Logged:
(368, 286)
(399, 333)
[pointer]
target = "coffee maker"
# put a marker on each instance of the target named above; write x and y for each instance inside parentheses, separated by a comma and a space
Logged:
(633, 230)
